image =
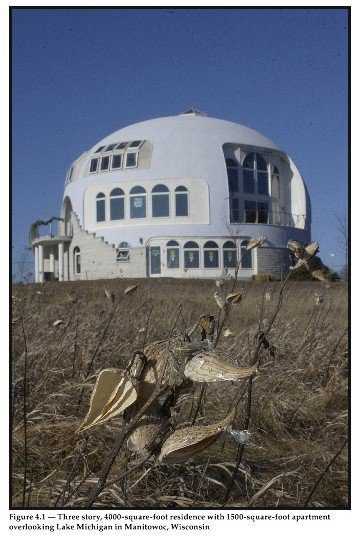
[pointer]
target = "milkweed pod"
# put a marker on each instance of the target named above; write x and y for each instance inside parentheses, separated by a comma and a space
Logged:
(234, 298)
(186, 442)
(220, 300)
(255, 243)
(295, 246)
(144, 435)
(112, 391)
(311, 249)
(130, 289)
(58, 322)
(211, 367)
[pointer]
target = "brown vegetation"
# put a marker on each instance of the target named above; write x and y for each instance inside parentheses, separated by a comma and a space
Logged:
(64, 334)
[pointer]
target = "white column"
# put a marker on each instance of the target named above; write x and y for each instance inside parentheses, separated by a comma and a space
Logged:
(41, 263)
(51, 261)
(66, 264)
(36, 263)
(61, 261)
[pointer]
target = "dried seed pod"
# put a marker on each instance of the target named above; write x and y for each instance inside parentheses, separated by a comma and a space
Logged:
(220, 299)
(295, 246)
(110, 295)
(255, 243)
(234, 298)
(242, 437)
(145, 434)
(130, 289)
(57, 322)
(210, 367)
(186, 442)
(311, 249)
(112, 394)
(228, 333)
(220, 283)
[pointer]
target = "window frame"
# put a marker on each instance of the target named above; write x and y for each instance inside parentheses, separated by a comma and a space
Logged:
(77, 261)
(120, 154)
(229, 248)
(173, 245)
(155, 194)
(101, 199)
(135, 195)
(178, 192)
(90, 165)
(211, 246)
(122, 197)
(191, 246)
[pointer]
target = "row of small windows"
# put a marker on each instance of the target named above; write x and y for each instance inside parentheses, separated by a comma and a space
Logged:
(210, 254)
(124, 155)
(160, 198)
(250, 177)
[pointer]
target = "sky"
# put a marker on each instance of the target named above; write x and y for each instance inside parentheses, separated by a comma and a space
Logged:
(80, 74)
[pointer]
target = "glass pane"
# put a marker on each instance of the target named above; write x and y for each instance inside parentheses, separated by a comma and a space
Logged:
(138, 207)
(262, 212)
(105, 163)
(249, 161)
(110, 147)
(249, 185)
(131, 160)
(191, 258)
(135, 143)
(250, 212)
(117, 208)
(160, 206)
(99, 149)
(233, 180)
(155, 260)
(245, 259)
(182, 204)
(77, 263)
(173, 258)
(116, 191)
(121, 145)
(229, 258)
(211, 259)
(116, 161)
(263, 183)
(160, 189)
(235, 214)
(260, 162)
(93, 165)
(101, 210)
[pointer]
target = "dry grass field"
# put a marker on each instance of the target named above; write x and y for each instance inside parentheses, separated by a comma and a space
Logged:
(298, 411)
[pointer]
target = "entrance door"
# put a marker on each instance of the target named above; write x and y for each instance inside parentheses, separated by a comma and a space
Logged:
(155, 260)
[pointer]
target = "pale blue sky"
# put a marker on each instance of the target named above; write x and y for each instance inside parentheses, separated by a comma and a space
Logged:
(81, 74)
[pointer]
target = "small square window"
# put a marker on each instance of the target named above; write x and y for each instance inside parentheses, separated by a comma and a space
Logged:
(131, 160)
(117, 161)
(105, 163)
(93, 165)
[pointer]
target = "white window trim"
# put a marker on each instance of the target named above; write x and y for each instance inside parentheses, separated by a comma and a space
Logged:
(109, 163)
(121, 165)
(125, 160)
(98, 163)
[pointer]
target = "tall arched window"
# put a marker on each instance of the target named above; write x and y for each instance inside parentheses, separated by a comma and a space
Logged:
(229, 254)
(138, 202)
(101, 207)
(246, 256)
(173, 254)
(233, 175)
(76, 260)
(117, 204)
(211, 255)
(160, 201)
(181, 201)
(255, 174)
(191, 255)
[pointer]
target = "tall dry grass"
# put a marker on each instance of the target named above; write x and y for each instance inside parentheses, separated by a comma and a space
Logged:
(298, 408)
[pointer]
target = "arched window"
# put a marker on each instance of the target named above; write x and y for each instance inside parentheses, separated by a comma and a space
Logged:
(229, 255)
(123, 251)
(76, 260)
(255, 174)
(211, 255)
(160, 201)
(117, 204)
(173, 254)
(233, 175)
(138, 202)
(181, 201)
(246, 256)
(191, 255)
(101, 207)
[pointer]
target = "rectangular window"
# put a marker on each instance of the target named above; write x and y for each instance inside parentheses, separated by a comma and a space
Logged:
(250, 212)
(229, 258)
(105, 162)
(263, 183)
(77, 264)
(262, 212)
(101, 210)
(235, 215)
(93, 165)
(117, 208)
(160, 206)
(249, 185)
(173, 258)
(116, 161)
(211, 259)
(131, 160)
(246, 261)
(182, 208)
(191, 259)
(233, 179)
(138, 207)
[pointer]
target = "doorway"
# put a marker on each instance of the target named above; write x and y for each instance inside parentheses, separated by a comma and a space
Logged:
(155, 260)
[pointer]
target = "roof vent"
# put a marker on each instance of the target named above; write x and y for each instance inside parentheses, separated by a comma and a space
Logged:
(193, 111)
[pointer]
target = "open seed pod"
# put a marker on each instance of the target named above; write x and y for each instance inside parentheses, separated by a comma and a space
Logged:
(186, 442)
(255, 243)
(317, 269)
(296, 247)
(112, 394)
(211, 367)
(145, 434)
(311, 249)
(234, 298)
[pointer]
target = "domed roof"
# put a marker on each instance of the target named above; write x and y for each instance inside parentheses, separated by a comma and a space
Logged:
(192, 125)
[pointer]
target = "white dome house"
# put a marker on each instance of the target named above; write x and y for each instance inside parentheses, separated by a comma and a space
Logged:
(179, 197)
